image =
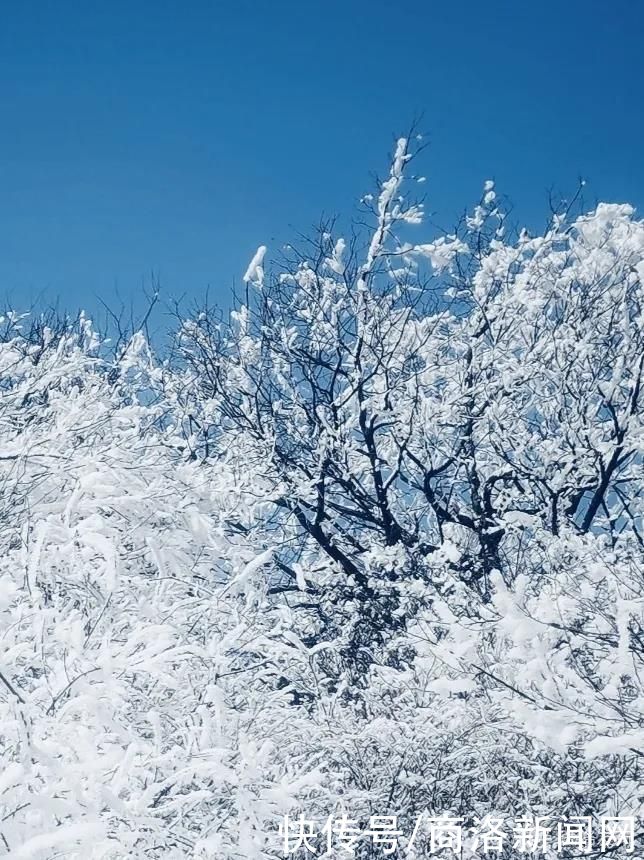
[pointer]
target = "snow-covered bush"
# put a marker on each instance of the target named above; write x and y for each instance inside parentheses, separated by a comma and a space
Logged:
(372, 546)
(140, 715)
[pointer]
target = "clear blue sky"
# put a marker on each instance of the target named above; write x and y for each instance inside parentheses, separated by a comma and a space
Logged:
(177, 137)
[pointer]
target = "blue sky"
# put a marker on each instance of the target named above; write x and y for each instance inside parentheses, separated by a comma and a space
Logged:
(175, 138)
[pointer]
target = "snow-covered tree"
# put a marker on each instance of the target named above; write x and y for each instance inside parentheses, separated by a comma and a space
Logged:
(451, 431)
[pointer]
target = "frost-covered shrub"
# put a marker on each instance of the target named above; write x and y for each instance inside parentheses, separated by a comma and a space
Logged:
(372, 546)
